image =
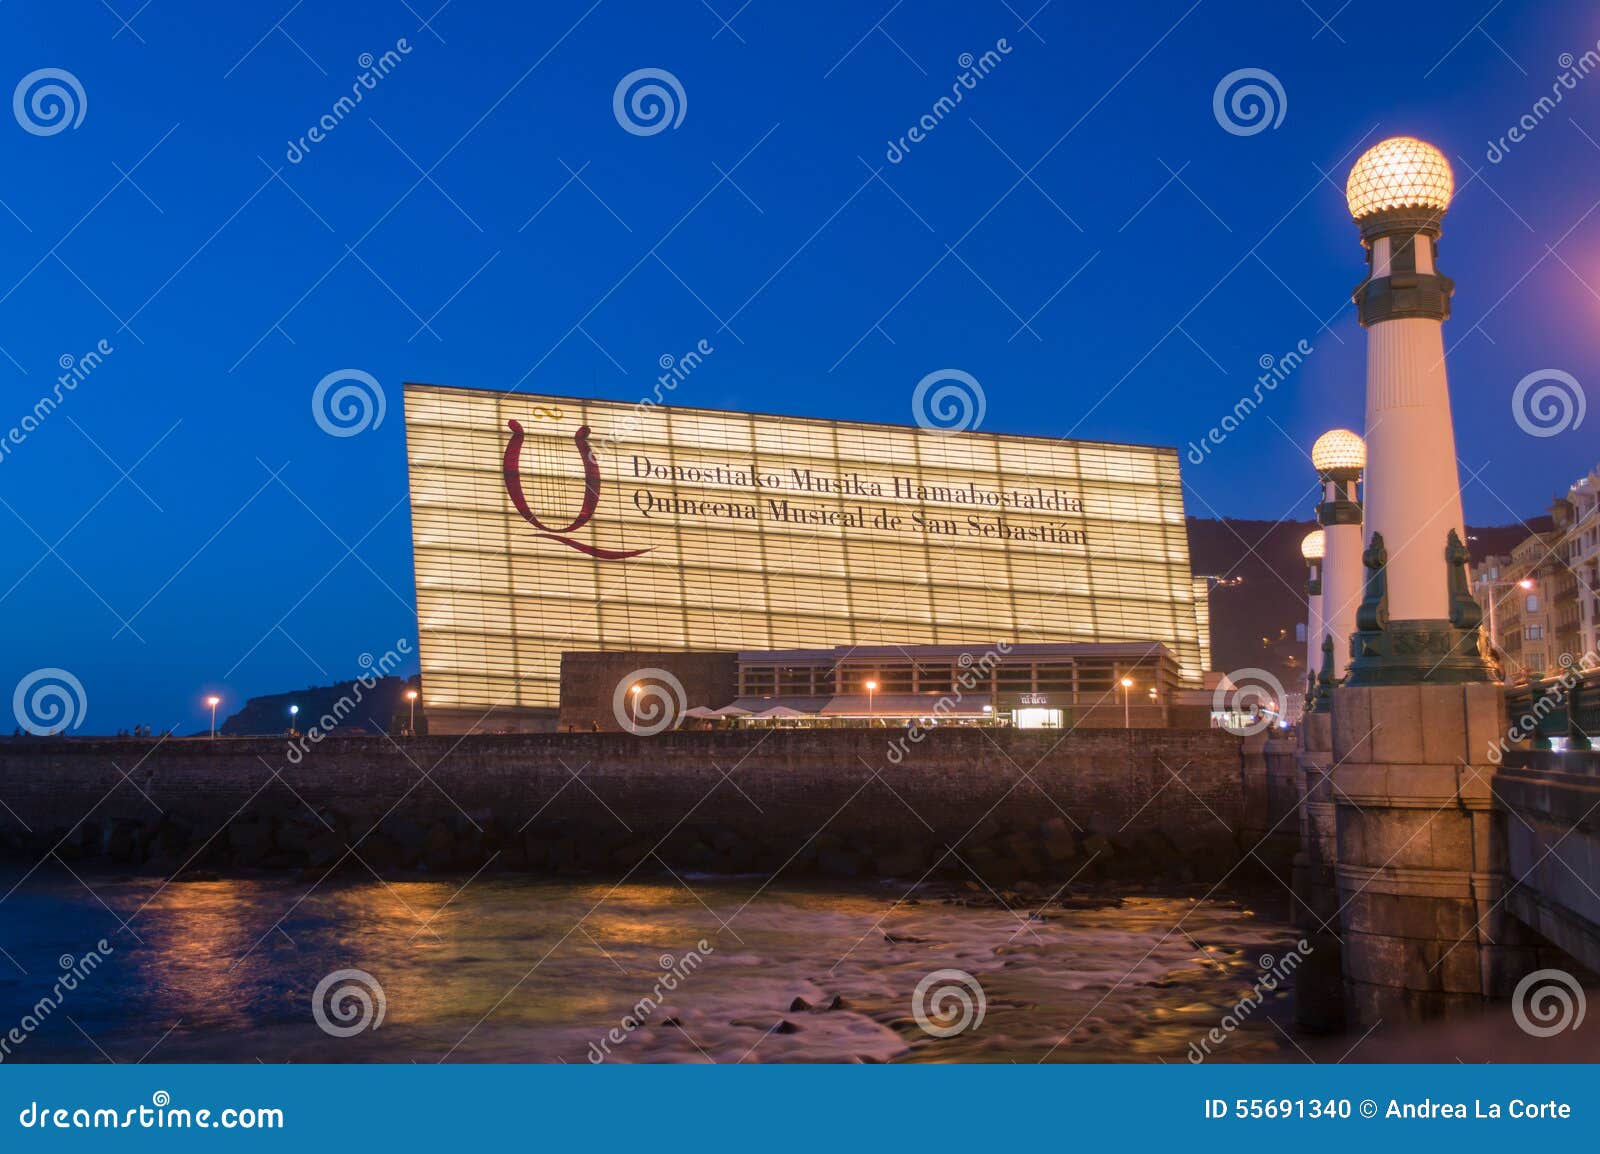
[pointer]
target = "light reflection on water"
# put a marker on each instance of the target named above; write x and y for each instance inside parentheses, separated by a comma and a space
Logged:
(517, 969)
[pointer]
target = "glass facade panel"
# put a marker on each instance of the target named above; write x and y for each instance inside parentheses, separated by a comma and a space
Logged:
(699, 529)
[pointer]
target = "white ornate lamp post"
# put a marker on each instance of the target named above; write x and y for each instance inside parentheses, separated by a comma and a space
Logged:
(1312, 547)
(1417, 620)
(213, 701)
(1339, 456)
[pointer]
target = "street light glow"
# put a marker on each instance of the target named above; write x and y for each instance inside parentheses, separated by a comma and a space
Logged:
(213, 701)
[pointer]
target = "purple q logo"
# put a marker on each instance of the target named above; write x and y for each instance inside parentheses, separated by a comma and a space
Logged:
(591, 495)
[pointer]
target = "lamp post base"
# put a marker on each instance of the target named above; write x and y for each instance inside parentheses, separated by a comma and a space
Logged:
(1417, 653)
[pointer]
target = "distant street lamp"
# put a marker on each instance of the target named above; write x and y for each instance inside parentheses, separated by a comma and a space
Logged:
(1491, 586)
(1127, 684)
(294, 711)
(213, 701)
(411, 696)
(871, 688)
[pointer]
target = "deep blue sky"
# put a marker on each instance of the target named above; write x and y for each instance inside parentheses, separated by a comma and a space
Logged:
(222, 290)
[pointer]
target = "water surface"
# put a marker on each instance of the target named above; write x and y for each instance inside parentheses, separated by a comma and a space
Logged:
(514, 969)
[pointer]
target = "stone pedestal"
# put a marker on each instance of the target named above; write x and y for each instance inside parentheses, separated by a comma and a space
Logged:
(1276, 840)
(1319, 984)
(1421, 853)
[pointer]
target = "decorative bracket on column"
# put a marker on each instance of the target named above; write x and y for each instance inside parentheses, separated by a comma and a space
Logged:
(1373, 613)
(1322, 701)
(1442, 652)
(1465, 612)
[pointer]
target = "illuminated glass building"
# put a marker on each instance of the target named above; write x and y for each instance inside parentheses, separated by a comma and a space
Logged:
(546, 524)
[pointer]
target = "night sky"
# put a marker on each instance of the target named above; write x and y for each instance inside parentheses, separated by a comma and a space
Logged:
(1081, 234)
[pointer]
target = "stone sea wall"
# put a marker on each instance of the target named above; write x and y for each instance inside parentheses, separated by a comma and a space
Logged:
(1005, 806)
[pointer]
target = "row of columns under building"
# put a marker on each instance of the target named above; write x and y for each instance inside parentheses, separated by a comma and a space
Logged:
(1401, 864)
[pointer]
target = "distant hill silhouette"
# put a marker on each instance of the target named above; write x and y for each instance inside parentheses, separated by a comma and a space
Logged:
(381, 709)
(1259, 598)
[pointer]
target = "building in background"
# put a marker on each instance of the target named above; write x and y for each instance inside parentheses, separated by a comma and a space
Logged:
(1027, 686)
(546, 524)
(1582, 555)
(1542, 599)
(1514, 591)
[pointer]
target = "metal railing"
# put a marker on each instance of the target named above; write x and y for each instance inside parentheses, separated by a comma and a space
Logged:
(1565, 706)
